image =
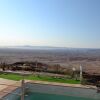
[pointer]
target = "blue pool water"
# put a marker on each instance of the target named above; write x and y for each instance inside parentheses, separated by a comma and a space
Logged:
(42, 96)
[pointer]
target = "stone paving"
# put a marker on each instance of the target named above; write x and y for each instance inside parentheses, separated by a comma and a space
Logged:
(6, 86)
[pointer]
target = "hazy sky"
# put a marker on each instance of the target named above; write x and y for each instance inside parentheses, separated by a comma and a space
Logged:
(66, 23)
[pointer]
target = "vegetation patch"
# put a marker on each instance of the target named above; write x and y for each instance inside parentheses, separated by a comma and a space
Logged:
(18, 77)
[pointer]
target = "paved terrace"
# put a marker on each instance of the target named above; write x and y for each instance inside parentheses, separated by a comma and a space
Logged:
(7, 86)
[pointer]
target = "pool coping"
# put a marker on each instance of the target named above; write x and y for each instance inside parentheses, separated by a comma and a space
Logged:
(62, 84)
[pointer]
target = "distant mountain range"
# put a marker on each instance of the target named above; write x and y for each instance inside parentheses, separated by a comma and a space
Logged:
(34, 47)
(46, 48)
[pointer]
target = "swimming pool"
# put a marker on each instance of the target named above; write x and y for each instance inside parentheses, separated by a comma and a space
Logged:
(52, 92)
(42, 96)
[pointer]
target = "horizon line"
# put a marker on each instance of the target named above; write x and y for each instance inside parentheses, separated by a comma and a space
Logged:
(5, 46)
